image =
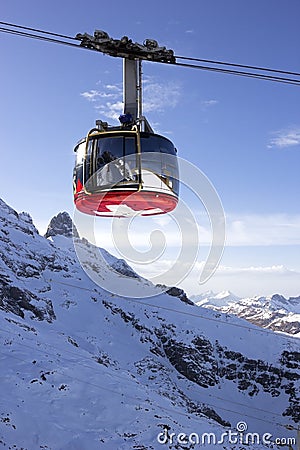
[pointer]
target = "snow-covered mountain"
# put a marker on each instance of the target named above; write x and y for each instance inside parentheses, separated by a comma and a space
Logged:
(84, 369)
(274, 312)
(211, 298)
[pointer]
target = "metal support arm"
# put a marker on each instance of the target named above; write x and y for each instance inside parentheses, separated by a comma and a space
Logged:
(131, 87)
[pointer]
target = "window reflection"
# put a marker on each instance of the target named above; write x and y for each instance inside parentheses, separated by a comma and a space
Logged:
(117, 158)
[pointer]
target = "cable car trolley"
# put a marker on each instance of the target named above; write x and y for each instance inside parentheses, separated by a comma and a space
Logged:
(126, 170)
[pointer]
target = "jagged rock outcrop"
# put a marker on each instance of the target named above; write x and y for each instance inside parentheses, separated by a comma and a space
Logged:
(61, 225)
(17, 301)
(175, 291)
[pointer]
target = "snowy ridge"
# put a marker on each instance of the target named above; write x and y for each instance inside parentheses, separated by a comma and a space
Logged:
(221, 299)
(274, 312)
(85, 369)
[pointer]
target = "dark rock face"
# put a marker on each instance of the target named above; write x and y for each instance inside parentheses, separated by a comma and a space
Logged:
(207, 364)
(61, 225)
(177, 292)
(17, 301)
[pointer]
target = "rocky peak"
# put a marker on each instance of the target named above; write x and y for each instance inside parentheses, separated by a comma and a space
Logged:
(279, 298)
(5, 209)
(176, 292)
(61, 225)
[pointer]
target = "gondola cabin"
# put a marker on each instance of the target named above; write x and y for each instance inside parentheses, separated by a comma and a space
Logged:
(123, 172)
(126, 170)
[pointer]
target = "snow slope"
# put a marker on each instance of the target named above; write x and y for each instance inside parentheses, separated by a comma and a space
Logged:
(83, 369)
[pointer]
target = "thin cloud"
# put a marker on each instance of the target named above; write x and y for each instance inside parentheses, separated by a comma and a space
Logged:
(157, 97)
(209, 103)
(107, 101)
(254, 229)
(110, 110)
(114, 87)
(222, 270)
(243, 281)
(263, 229)
(278, 270)
(161, 96)
(90, 95)
(285, 138)
(94, 95)
(246, 281)
(255, 278)
(241, 231)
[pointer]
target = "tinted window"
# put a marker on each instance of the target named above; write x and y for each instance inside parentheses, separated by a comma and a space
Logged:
(107, 153)
(153, 143)
(111, 148)
(108, 156)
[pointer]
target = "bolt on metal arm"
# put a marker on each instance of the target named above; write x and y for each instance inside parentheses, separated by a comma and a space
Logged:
(125, 48)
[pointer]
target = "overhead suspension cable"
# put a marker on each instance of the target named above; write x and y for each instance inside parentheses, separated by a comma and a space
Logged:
(15, 29)
(223, 63)
(37, 30)
(243, 74)
(35, 36)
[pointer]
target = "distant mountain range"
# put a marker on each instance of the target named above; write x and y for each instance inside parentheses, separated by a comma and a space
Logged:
(274, 312)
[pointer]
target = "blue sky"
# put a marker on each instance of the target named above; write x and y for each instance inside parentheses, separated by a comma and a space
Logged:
(244, 134)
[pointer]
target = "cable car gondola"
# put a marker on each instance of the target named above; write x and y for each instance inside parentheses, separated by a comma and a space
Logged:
(126, 170)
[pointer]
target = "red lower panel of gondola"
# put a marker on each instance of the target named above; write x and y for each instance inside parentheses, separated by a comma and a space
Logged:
(125, 203)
